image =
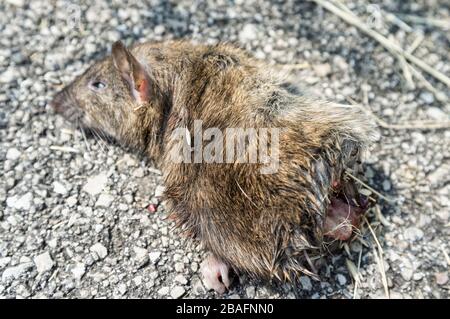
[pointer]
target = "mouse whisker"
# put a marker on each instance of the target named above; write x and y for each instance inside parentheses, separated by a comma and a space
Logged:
(100, 142)
(83, 134)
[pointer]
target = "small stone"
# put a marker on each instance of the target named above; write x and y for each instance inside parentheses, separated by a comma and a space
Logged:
(126, 162)
(340, 62)
(22, 291)
(139, 172)
(25, 259)
(122, 288)
(181, 279)
(100, 250)
(16, 271)
(179, 267)
(159, 191)
(154, 256)
(128, 198)
(437, 114)
(59, 188)
(43, 262)
(104, 200)
(413, 234)
(427, 97)
(78, 271)
(154, 170)
(306, 283)
(98, 228)
(72, 220)
(4, 261)
(441, 278)
(163, 291)
(9, 75)
(72, 201)
(322, 70)
(250, 291)
(159, 29)
(21, 203)
(248, 33)
(141, 255)
(95, 184)
(137, 280)
(52, 243)
(13, 154)
(177, 292)
(417, 276)
(386, 185)
(407, 271)
(197, 286)
(17, 3)
(437, 177)
(341, 279)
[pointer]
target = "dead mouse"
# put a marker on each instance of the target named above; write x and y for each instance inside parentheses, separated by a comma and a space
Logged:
(266, 212)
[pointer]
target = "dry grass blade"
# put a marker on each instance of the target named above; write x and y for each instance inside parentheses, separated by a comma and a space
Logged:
(398, 22)
(363, 242)
(297, 66)
(310, 263)
(447, 258)
(66, 149)
(417, 41)
(352, 269)
(67, 131)
(380, 216)
(389, 45)
(347, 249)
(360, 276)
(356, 179)
(439, 23)
(406, 72)
(379, 258)
(406, 68)
(440, 96)
(413, 125)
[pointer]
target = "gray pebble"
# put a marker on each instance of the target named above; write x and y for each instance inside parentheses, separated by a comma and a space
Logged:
(100, 250)
(13, 154)
(154, 256)
(177, 292)
(341, 279)
(413, 234)
(163, 291)
(305, 281)
(104, 200)
(43, 262)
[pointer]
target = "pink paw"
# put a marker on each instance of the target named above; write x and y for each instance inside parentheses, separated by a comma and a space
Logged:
(215, 274)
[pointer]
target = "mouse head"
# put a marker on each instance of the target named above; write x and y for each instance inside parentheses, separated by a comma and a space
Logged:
(115, 95)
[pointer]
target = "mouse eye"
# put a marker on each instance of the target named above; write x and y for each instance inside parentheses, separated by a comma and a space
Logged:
(97, 85)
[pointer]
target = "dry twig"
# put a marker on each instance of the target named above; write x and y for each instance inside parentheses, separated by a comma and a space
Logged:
(389, 45)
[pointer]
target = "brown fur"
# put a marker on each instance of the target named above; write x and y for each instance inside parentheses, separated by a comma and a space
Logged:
(260, 224)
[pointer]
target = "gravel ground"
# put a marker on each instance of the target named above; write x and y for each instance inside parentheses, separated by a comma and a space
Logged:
(73, 214)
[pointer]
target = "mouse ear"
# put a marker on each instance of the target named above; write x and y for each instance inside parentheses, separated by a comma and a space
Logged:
(132, 71)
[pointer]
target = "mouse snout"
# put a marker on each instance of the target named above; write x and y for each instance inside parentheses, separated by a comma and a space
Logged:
(59, 102)
(64, 104)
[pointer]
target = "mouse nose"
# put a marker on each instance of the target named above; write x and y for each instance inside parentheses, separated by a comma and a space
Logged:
(58, 102)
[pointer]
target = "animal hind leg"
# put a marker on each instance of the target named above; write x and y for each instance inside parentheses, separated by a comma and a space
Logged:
(215, 274)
